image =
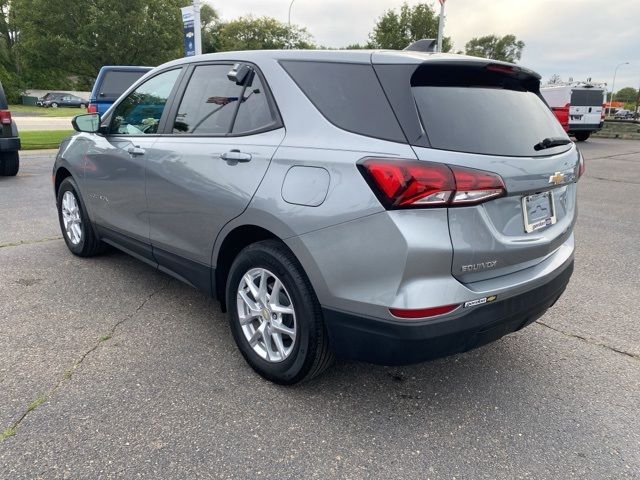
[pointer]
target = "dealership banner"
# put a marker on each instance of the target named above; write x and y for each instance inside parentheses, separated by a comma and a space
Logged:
(188, 17)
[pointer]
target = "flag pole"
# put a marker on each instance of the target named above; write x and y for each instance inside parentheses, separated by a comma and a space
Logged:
(441, 25)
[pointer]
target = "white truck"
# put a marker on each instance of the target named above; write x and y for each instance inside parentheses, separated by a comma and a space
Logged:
(578, 106)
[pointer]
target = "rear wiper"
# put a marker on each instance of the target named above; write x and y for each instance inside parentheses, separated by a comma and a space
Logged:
(551, 142)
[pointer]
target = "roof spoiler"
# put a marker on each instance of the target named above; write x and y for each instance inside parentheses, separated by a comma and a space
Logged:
(428, 45)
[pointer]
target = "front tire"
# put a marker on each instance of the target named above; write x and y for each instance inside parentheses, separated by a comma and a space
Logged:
(582, 136)
(54, 105)
(75, 225)
(9, 164)
(275, 316)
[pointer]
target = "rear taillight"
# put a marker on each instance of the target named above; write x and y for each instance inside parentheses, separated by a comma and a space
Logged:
(5, 117)
(417, 184)
(92, 108)
(604, 111)
(562, 114)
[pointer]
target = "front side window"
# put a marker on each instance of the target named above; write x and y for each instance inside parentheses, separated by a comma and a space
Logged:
(140, 112)
(215, 105)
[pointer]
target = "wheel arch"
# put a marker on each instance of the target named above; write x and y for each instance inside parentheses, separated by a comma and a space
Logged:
(233, 243)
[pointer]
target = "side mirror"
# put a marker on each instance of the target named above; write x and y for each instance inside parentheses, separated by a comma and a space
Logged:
(89, 123)
(240, 73)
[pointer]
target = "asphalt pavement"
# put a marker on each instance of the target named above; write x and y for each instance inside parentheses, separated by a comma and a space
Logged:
(111, 369)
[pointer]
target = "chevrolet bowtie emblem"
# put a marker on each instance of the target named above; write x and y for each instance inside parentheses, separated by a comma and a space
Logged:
(557, 178)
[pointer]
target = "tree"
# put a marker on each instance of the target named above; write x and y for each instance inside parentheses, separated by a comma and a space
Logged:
(507, 48)
(397, 29)
(77, 37)
(554, 79)
(259, 33)
(627, 94)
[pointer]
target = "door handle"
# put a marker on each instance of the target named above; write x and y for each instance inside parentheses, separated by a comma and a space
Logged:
(236, 156)
(135, 151)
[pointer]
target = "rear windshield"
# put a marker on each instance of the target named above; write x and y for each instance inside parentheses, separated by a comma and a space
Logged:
(469, 108)
(587, 98)
(485, 120)
(115, 82)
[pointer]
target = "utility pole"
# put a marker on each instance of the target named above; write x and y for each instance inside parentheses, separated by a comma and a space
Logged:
(197, 28)
(635, 114)
(441, 25)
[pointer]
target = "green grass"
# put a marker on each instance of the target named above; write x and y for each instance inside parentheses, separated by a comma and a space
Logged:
(8, 432)
(36, 139)
(47, 112)
(37, 402)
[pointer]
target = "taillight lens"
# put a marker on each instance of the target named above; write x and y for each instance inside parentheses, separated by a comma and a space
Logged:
(562, 114)
(5, 117)
(604, 111)
(417, 184)
(92, 108)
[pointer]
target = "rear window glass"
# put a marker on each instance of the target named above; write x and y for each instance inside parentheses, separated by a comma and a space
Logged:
(587, 98)
(348, 95)
(486, 120)
(472, 107)
(115, 82)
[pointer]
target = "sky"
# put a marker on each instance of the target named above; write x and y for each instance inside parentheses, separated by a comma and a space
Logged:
(573, 38)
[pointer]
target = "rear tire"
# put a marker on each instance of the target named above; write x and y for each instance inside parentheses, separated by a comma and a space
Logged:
(54, 105)
(582, 136)
(9, 164)
(290, 361)
(75, 225)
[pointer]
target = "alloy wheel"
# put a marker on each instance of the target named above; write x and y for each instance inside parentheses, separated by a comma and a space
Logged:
(71, 218)
(266, 314)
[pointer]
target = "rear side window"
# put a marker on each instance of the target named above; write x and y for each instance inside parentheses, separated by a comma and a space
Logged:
(214, 105)
(349, 95)
(474, 109)
(587, 98)
(115, 82)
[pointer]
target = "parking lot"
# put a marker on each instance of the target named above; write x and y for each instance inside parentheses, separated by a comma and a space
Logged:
(111, 369)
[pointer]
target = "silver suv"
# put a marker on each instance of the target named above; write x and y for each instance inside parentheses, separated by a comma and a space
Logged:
(384, 206)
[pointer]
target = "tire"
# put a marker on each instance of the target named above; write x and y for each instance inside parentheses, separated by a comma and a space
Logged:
(9, 164)
(85, 243)
(582, 136)
(295, 360)
(54, 105)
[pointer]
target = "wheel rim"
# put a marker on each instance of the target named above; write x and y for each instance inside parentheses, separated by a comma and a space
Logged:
(71, 218)
(267, 315)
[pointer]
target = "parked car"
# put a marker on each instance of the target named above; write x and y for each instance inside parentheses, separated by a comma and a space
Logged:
(402, 214)
(111, 82)
(578, 106)
(9, 140)
(60, 99)
(623, 114)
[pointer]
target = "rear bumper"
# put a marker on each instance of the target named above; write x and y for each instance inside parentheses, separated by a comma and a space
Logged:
(10, 144)
(590, 127)
(394, 343)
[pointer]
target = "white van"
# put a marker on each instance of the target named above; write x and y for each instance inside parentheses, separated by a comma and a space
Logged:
(579, 107)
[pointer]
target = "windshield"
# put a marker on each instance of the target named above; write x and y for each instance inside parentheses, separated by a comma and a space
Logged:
(486, 120)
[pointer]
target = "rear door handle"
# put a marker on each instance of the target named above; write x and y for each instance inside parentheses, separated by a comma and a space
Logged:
(135, 151)
(236, 156)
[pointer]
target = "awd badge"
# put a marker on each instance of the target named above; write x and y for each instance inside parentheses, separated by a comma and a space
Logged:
(480, 301)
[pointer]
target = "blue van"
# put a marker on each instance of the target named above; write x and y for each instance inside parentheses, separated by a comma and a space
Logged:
(112, 81)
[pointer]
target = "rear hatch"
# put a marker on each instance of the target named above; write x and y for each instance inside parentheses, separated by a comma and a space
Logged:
(490, 117)
(587, 107)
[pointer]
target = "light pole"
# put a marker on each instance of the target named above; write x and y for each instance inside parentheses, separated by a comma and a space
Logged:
(289, 25)
(613, 84)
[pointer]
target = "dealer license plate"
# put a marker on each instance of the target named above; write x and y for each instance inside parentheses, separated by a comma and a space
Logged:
(539, 211)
